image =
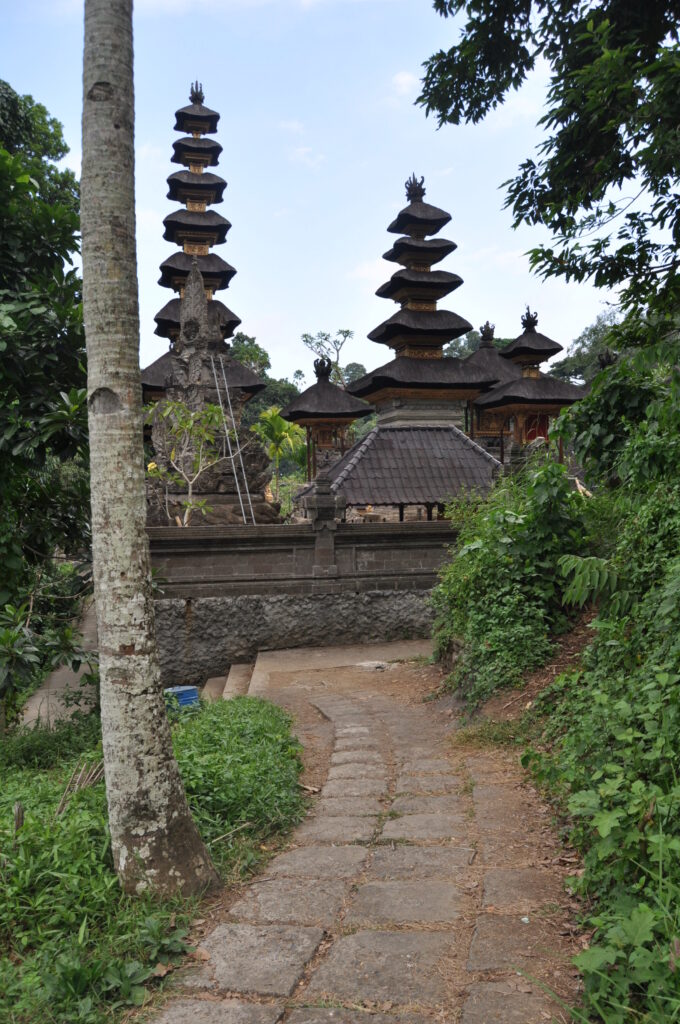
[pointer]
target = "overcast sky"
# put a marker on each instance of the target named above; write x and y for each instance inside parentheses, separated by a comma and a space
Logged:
(319, 132)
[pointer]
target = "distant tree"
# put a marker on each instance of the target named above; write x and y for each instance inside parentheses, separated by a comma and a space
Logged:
(299, 379)
(245, 350)
(582, 362)
(352, 372)
(154, 840)
(328, 347)
(605, 182)
(463, 346)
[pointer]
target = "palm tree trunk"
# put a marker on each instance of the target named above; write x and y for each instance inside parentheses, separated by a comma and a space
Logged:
(155, 841)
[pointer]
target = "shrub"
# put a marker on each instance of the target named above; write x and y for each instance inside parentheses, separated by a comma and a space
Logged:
(76, 947)
(500, 596)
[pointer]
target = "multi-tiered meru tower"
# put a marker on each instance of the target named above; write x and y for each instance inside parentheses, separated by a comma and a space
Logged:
(198, 368)
(417, 455)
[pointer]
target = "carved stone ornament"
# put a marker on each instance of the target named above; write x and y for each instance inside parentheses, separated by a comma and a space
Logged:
(196, 95)
(529, 320)
(322, 368)
(486, 331)
(415, 190)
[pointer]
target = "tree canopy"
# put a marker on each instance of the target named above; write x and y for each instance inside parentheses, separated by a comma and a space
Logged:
(42, 375)
(589, 352)
(605, 180)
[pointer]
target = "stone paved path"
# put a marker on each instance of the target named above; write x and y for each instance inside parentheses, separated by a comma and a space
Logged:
(418, 890)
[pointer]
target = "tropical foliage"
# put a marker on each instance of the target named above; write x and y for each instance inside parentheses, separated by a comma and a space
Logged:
(605, 180)
(43, 439)
(74, 947)
(279, 438)
(605, 737)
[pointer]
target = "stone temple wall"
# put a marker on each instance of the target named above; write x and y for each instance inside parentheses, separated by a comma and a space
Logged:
(229, 592)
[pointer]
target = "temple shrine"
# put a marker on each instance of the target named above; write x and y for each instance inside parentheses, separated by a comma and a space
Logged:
(524, 399)
(325, 411)
(198, 370)
(444, 424)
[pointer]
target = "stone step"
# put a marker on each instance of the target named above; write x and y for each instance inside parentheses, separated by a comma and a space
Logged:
(214, 688)
(238, 680)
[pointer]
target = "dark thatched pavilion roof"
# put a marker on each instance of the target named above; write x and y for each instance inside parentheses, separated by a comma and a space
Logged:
(530, 345)
(168, 318)
(406, 372)
(155, 377)
(414, 465)
(187, 148)
(436, 327)
(424, 250)
(197, 114)
(430, 285)
(186, 183)
(325, 401)
(191, 222)
(541, 390)
(217, 273)
(488, 361)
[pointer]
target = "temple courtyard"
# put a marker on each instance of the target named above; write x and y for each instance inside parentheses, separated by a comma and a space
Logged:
(426, 883)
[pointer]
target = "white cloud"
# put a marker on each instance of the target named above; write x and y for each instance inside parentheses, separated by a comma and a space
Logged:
(306, 155)
(405, 83)
(293, 127)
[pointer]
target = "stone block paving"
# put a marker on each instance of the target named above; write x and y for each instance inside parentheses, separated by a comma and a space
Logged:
(399, 902)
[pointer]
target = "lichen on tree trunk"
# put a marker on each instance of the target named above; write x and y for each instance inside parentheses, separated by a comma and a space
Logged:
(155, 841)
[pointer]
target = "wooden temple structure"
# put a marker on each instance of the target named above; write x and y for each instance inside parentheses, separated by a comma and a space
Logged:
(198, 370)
(325, 410)
(444, 424)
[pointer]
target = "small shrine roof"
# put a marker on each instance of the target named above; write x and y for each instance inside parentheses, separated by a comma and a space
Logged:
(429, 250)
(182, 182)
(196, 113)
(325, 400)
(211, 266)
(206, 222)
(422, 216)
(168, 318)
(187, 147)
(436, 283)
(440, 324)
(412, 465)
(530, 342)
(541, 390)
(407, 372)
(488, 360)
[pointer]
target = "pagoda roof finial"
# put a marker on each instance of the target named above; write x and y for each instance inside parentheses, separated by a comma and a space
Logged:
(486, 332)
(529, 320)
(322, 368)
(415, 190)
(196, 94)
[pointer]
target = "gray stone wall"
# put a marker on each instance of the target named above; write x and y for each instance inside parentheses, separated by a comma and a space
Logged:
(229, 592)
(199, 638)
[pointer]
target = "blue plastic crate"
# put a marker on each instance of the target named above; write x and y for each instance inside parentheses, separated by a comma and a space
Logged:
(186, 696)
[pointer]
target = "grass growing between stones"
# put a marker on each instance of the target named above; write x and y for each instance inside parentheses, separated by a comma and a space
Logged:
(73, 948)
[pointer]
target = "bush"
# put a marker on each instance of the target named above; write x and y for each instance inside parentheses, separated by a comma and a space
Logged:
(500, 596)
(76, 947)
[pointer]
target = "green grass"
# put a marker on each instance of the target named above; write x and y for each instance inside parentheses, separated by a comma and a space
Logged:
(73, 948)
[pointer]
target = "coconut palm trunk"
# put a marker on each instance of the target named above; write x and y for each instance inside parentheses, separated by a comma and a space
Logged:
(155, 842)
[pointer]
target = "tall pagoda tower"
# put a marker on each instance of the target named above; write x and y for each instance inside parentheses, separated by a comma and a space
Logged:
(195, 228)
(417, 455)
(198, 368)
